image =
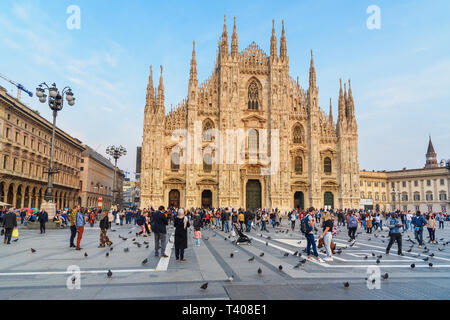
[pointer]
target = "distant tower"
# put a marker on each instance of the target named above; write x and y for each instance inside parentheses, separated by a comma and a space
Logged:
(431, 156)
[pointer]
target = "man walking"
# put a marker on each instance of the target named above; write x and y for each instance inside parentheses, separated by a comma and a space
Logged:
(73, 227)
(395, 234)
(43, 219)
(307, 227)
(226, 220)
(419, 221)
(440, 217)
(79, 223)
(159, 222)
(9, 223)
(352, 224)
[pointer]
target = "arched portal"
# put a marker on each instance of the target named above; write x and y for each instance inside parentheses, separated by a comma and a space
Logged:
(174, 199)
(207, 199)
(328, 200)
(19, 197)
(2, 192)
(253, 195)
(299, 200)
(10, 196)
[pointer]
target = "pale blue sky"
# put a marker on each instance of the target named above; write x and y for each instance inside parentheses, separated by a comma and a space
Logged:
(400, 73)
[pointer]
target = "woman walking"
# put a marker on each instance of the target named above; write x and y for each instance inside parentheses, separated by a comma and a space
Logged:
(181, 224)
(369, 222)
(104, 225)
(431, 226)
(327, 228)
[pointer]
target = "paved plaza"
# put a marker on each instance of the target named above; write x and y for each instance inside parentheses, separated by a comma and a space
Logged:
(44, 274)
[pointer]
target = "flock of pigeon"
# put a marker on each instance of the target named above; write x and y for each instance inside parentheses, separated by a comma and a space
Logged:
(296, 253)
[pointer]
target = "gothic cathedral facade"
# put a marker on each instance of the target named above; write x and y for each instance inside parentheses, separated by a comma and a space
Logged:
(252, 94)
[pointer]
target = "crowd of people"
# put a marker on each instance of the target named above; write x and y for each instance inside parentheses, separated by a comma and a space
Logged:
(230, 220)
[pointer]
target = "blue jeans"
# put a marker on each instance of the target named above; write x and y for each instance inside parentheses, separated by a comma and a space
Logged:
(441, 223)
(408, 223)
(263, 226)
(381, 225)
(273, 222)
(419, 235)
(197, 242)
(226, 225)
(310, 242)
(249, 226)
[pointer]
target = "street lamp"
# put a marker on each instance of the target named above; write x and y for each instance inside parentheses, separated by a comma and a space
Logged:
(116, 153)
(55, 102)
(396, 192)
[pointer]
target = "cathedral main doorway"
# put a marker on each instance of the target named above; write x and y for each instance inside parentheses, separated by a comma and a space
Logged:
(253, 195)
(207, 199)
(299, 200)
(174, 199)
(328, 200)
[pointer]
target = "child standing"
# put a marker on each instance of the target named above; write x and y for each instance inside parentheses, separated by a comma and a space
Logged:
(197, 236)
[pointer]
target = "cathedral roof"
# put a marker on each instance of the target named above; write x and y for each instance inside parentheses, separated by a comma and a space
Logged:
(253, 54)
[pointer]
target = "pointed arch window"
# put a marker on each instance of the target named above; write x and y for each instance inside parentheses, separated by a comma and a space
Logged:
(208, 127)
(253, 96)
(298, 165)
(327, 165)
(298, 135)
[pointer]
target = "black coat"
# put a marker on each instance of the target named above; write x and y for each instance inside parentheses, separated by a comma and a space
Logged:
(43, 217)
(180, 233)
(104, 223)
(159, 222)
(10, 220)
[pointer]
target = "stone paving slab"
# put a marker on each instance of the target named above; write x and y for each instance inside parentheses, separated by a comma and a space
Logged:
(42, 275)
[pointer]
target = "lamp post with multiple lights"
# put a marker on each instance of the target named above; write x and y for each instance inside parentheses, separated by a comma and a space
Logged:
(396, 192)
(55, 102)
(116, 153)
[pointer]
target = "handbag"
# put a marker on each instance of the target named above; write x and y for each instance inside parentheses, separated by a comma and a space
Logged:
(320, 245)
(15, 233)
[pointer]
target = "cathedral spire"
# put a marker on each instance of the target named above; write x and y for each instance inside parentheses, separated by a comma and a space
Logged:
(193, 72)
(150, 100)
(224, 37)
(331, 113)
(160, 99)
(283, 45)
(273, 42)
(351, 105)
(312, 73)
(341, 103)
(234, 41)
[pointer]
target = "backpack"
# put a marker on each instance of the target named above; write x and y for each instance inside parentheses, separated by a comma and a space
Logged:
(352, 222)
(305, 226)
